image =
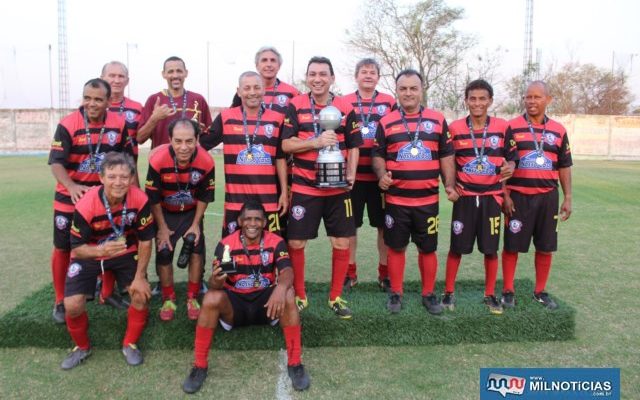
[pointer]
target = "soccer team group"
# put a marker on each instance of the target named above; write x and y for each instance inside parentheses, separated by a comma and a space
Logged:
(396, 150)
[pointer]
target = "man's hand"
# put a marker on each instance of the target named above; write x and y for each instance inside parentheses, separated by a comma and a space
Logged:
(283, 204)
(112, 248)
(275, 304)
(565, 209)
(195, 229)
(163, 238)
(161, 112)
(76, 191)
(140, 286)
(506, 170)
(217, 278)
(507, 206)
(385, 182)
(326, 138)
(452, 193)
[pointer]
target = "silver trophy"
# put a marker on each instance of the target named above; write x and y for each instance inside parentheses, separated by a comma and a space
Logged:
(331, 167)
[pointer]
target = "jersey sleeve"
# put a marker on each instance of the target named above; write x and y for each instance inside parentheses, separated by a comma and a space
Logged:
(205, 190)
(445, 145)
(510, 147)
(281, 256)
(152, 185)
(291, 125)
(80, 230)
(380, 143)
(60, 146)
(214, 137)
(564, 157)
(352, 135)
(145, 225)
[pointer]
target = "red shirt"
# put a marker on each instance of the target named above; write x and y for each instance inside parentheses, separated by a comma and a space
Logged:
(132, 112)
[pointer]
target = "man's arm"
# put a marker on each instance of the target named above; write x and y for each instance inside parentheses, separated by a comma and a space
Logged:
(105, 250)
(163, 235)
(352, 165)
(76, 191)
(565, 182)
(159, 113)
(281, 171)
(448, 171)
(201, 206)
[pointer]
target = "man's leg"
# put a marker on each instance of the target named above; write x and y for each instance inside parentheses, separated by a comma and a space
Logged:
(291, 329)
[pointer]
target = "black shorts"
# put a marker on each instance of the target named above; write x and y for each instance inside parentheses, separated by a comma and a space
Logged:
(179, 223)
(418, 223)
(535, 216)
(250, 309)
(230, 222)
(82, 274)
(62, 230)
(306, 212)
(368, 193)
(475, 217)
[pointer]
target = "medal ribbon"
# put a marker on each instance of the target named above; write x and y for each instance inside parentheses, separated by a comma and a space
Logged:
(186, 188)
(414, 140)
(118, 232)
(245, 249)
(538, 146)
(365, 121)
(92, 155)
(245, 129)
(173, 103)
(275, 93)
(480, 154)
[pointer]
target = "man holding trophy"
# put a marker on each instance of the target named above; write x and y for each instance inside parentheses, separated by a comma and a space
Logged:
(314, 132)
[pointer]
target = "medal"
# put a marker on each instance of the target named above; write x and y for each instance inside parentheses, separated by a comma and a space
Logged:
(364, 130)
(250, 140)
(117, 232)
(92, 164)
(256, 282)
(250, 156)
(479, 167)
(540, 160)
(538, 145)
(414, 151)
(181, 206)
(365, 119)
(121, 238)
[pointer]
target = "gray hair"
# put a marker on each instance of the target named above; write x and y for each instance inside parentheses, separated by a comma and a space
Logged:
(247, 74)
(271, 49)
(118, 63)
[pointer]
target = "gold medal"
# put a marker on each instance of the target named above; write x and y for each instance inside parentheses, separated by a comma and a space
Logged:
(181, 206)
(92, 165)
(256, 282)
(121, 238)
(250, 156)
(414, 151)
(479, 167)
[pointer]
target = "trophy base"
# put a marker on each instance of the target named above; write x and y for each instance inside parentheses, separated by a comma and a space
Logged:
(323, 185)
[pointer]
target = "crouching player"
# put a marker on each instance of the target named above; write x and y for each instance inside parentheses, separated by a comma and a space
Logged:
(257, 290)
(112, 230)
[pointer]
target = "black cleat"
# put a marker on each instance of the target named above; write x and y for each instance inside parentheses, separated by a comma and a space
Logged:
(115, 301)
(59, 314)
(544, 299)
(349, 283)
(75, 358)
(432, 304)
(394, 304)
(194, 381)
(493, 305)
(449, 301)
(385, 285)
(299, 378)
(132, 354)
(508, 300)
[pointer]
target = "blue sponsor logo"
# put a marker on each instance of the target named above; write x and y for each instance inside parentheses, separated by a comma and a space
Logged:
(180, 198)
(249, 282)
(85, 166)
(533, 161)
(549, 383)
(371, 132)
(479, 167)
(256, 157)
(410, 153)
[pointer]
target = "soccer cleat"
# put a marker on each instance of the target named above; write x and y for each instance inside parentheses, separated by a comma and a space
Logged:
(349, 283)
(339, 307)
(394, 304)
(156, 290)
(384, 284)
(203, 288)
(544, 299)
(493, 305)
(301, 303)
(59, 313)
(432, 304)
(75, 358)
(299, 378)
(168, 310)
(132, 354)
(449, 301)
(508, 300)
(193, 308)
(115, 301)
(194, 381)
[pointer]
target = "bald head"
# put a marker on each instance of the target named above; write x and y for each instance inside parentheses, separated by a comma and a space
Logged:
(540, 84)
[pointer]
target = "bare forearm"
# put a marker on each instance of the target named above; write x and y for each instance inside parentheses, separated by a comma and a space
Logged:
(158, 216)
(61, 175)
(379, 166)
(296, 145)
(144, 255)
(147, 129)
(285, 278)
(201, 207)
(565, 182)
(352, 161)
(281, 170)
(448, 170)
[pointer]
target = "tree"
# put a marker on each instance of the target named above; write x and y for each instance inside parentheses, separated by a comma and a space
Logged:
(419, 36)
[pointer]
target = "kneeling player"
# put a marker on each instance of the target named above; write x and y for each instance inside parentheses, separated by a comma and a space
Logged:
(249, 294)
(112, 231)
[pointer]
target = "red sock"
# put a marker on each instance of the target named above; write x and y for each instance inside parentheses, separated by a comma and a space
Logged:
(453, 262)
(428, 263)
(293, 342)
(59, 264)
(168, 292)
(543, 267)
(383, 272)
(297, 261)
(193, 288)
(108, 284)
(396, 262)
(136, 320)
(351, 271)
(509, 262)
(339, 266)
(204, 337)
(490, 274)
(78, 328)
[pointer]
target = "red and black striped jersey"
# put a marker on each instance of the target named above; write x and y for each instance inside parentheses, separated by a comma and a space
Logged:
(539, 173)
(276, 97)
(132, 112)
(256, 267)
(371, 113)
(299, 123)
(414, 167)
(91, 223)
(248, 175)
(476, 175)
(178, 192)
(196, 109)
(70, 148)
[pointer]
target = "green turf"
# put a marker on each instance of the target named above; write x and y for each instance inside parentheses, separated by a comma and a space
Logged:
(371, 325)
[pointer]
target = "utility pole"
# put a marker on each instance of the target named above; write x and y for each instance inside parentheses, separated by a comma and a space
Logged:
(63, 57)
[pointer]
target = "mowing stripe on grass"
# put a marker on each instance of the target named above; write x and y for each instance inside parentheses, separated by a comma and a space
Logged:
(283, 385)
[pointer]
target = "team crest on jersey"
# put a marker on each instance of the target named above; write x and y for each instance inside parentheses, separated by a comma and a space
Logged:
(282, 100)
(85, 166)
(410, 153)
(550, 138)
(256, 157)
(515, 225)
(130, 116)
(381, 109)
(180, 198)
(268, 130)
(232, 226)
(249, 282)
(61, 222)
(264, 256)
(371, 132)
(457, 227)
(533, 161)
(427, 126)
(479, 167)
(195, 177)
(388, 221)
(298, 212)
(74, 270)
(112, 137)
(131, 216)
(494, 141)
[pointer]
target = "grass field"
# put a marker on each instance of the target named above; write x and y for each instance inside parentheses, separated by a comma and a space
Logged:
(595, 271)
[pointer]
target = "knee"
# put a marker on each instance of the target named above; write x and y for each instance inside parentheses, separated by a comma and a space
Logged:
(138, 301)
(212, 300)
(74, 305)
(296, 244)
